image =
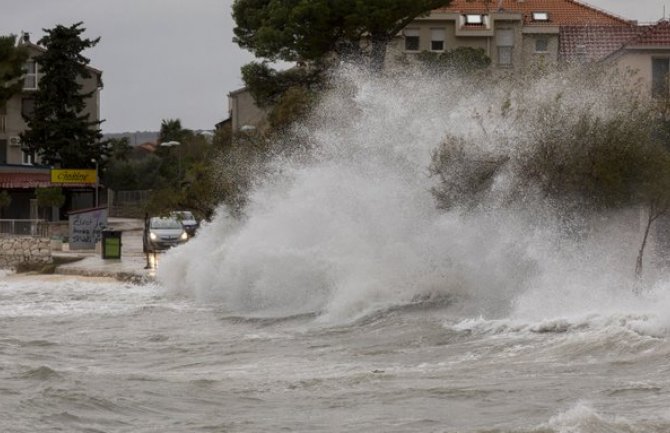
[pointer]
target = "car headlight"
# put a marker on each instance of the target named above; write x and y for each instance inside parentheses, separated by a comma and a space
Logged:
(152, 236)
(183, 236)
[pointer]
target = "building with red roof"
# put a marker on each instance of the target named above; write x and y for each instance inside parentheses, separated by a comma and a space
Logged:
(559, 12)
(516, 33)
(648, 54)
(20, 171)
(593, 43)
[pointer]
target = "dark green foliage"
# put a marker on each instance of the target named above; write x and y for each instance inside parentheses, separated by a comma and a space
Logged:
(132, 174)
(579, 159)
(287, 95)
(171, 130)
(223, 137)
(287, 29)
(60, 131)
(463, 60)
(295, 30)
(199, 192)
(119, 148)
(50, 197)
(180, 176)
(598, 163)
(464, 178)
(5, 199)
(267, 85)
(292, 105)
(12, 59)
(592, 162)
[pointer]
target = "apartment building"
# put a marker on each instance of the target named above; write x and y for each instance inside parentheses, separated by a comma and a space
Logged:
(512, 33)
(20, 173)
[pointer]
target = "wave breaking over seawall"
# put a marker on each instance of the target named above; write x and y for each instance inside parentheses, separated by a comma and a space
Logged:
(354, 227)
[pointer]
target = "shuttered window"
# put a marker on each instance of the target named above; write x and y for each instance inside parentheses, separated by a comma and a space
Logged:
(412, 40)
(505, 44)
(659, 77)
(30, 80)
(437, 39)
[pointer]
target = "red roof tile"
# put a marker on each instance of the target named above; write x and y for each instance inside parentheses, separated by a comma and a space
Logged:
(561, 12)
(593, 43)
(654, 35)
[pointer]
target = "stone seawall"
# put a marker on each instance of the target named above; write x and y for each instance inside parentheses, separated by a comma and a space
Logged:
(15, 250)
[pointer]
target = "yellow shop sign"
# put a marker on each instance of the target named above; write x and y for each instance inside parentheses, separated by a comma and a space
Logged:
(73, 176)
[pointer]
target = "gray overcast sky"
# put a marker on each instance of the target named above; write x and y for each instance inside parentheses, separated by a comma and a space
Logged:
(160, 59)
(165, 59)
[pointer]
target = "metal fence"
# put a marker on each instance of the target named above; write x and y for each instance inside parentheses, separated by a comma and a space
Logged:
(129, 204)
(28, 227)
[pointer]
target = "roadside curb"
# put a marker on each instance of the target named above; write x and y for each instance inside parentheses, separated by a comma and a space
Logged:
(126, 277)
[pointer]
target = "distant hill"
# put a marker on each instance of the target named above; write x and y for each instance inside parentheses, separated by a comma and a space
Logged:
(135, 138)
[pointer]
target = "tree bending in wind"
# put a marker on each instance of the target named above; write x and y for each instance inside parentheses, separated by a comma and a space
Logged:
(584, 154)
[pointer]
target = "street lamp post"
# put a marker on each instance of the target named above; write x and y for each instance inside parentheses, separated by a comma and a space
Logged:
(171, 144)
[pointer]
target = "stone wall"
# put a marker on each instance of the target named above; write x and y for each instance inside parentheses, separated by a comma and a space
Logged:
(24, 249)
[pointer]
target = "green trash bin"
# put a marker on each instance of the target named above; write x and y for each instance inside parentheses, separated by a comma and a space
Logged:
(111, 244)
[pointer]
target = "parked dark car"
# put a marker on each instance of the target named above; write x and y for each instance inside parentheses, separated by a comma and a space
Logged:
(187, 220)
(162, 233)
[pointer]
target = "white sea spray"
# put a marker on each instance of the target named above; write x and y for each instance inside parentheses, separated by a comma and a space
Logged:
(354, 227)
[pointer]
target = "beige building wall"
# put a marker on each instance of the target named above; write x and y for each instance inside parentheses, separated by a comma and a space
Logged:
(243, 111)
(531, 47)
(487, 38)
(640, 64)
(12, 123)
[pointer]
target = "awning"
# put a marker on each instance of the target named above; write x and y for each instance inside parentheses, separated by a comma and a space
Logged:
(34, 180)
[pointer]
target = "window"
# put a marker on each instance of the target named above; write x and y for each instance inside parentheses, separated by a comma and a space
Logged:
(27, 107)
(3, 151)
(30, 80)
(540, 16)
(541, 45)
(26, 158)
(412, 40)
(437, 40)
(474, 20)
(659, 77)
(505, 44)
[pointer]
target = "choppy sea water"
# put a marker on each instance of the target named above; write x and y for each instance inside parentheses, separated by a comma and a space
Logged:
(344, 300)
(87, 355)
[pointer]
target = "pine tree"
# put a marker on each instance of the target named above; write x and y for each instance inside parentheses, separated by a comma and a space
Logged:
(312, 30)
(12, 58)
(59, 131)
